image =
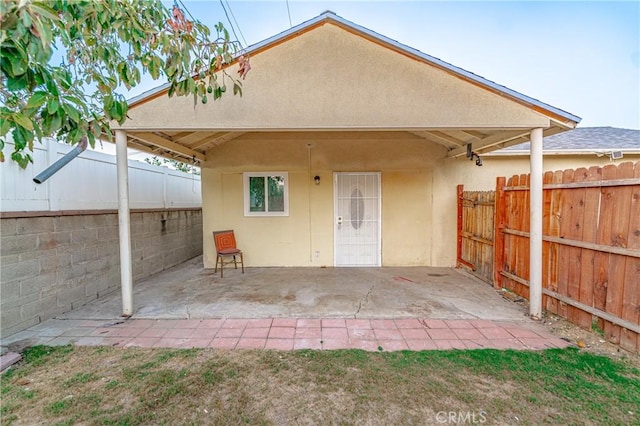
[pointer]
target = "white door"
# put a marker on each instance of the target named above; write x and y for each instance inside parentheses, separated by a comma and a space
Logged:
(357, 219)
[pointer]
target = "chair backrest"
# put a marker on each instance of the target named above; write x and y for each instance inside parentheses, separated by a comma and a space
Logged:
(224, 240)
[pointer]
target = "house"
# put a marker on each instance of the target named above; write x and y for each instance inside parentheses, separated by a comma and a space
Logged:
(345, 149)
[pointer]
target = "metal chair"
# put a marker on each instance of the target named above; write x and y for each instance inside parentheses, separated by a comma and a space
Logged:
(226, 248)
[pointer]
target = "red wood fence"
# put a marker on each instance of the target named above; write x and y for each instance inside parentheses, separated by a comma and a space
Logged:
(476, 211)
(591, 246)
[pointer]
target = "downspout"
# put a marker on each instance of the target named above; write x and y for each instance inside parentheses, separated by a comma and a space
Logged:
(55, 167)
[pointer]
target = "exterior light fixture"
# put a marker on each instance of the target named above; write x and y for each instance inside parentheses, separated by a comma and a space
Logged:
(471, 155)
(316, 179)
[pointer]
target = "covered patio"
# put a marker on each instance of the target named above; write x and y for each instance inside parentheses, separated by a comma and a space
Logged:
(188, 291)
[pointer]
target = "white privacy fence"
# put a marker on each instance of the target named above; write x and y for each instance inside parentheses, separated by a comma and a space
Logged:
(89, 182)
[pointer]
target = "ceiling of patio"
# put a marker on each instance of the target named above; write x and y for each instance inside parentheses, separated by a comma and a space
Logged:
(188, 146)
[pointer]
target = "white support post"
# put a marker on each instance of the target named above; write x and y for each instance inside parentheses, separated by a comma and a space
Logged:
(535, 220)
(124, 224)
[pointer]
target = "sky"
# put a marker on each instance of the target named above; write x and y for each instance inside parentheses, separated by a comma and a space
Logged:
(580, 56)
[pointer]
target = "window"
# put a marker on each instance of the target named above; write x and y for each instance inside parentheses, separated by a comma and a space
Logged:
(266, 194)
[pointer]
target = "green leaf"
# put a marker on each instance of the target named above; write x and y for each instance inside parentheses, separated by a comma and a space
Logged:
(16, 84)
(53, 105)
(25, 18)
(44, 32)
(23, 160)
(75, 135)
(5, 126)
(50, 84)
(23, 121)
(45, 11)
(19, 64)
(92, 140)
(19, 138)
(37, 99)
(55, 122)
(72, 112)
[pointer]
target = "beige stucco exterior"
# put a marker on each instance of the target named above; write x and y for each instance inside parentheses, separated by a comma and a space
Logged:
(331, 98)
(404, 161)
(328, 78)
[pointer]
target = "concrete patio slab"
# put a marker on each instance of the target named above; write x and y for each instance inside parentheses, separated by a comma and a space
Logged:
(188, 291)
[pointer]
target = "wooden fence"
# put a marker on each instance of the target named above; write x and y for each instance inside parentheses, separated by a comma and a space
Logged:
(591, 246)
(475, 232)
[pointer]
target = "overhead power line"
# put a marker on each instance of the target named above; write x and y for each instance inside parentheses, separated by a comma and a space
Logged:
(231, 22)
(289, 13)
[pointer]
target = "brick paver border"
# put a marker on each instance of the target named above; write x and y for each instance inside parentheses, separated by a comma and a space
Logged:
(300, 333)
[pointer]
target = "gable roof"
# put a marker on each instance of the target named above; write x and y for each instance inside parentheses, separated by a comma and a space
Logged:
(331, 17)
(433, 100)
(585, 139)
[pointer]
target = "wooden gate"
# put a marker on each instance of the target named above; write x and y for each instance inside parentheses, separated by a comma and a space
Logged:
(476, 211)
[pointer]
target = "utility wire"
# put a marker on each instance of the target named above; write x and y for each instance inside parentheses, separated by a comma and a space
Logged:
(237, 25)
(175, 3)
(289, 13)
(230, 22)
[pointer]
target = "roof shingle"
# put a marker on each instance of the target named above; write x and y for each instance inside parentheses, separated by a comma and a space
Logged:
(587, 138)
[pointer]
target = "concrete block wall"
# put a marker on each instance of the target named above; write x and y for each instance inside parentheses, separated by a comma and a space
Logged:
(56, 262)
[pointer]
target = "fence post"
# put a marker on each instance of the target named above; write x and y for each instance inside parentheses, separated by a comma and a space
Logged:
(499, 223)
(459, 232)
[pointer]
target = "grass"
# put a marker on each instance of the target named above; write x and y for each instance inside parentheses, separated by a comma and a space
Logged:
(115, 386)
(596, 329)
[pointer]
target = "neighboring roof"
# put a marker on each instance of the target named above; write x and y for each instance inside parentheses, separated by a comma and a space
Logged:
(585, 139)
(331, 17)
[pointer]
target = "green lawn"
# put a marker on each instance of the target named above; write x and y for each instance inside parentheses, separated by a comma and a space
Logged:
(106, 385)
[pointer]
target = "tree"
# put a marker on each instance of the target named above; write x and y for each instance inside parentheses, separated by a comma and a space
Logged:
(105, 45)
(178, 165)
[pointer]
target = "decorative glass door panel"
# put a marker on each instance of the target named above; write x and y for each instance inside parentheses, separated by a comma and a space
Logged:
(357, 219)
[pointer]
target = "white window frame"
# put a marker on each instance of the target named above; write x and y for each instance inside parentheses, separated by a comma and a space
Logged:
(247, 204)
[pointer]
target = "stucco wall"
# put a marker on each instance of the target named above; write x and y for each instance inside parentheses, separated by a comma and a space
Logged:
(53, 264)
(405, 163)
(329, 78)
